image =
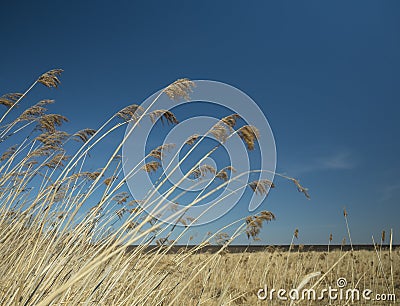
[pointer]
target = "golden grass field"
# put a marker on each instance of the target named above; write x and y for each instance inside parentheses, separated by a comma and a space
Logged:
(156, 278)
(65, 230)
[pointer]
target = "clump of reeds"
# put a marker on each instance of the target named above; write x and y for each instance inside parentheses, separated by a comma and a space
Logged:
(66, 227)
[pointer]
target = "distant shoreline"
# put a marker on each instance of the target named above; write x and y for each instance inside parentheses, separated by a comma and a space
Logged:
(268, 248)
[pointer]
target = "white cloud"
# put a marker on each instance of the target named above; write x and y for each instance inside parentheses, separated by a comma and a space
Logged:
(336, 161)
(390, 191)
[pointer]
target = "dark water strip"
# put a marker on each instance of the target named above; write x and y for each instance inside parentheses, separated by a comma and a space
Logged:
(268, 248)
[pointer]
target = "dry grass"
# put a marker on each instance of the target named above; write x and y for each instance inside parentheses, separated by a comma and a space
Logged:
(155, 278)
(65, 227)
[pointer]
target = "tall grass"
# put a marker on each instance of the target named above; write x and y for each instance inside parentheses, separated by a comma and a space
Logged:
(65, 229)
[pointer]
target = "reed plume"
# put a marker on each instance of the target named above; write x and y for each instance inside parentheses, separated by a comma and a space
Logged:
(192, 139)
(57, 161)
(180, 89)
(158, 152)
(50, 78)
(84, 135)
(85, 174)
(108, 181)
(8, 153)
(121, 197)
(162, 114)
(202, 171)
(49, 122)
(220, 132)
(131, 112)
(36, 111)
(223, 173)
(52, 138)
(254, 223)
(296, 233)
(231, 120)
(46, 150)
(151, 166)
(8, 100)
(301, 188)
(261, 186)
(249, 134)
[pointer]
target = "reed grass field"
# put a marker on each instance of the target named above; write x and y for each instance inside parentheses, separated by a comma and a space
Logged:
(66, 227)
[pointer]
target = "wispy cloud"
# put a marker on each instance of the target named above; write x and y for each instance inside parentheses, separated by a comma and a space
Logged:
(342, 160)
(390, 191)
(338, 161)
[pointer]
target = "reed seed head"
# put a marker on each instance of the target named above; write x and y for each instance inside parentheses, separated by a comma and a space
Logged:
(151, 166)
(180, 89)
(50, 78)
(254, 223)
(220, 132)
(202, 171)
(57, 161)
(8, 100)
(163, 114)
(131, 112)
(84, 135)
(108, 181)
(52, 138)
(121, 198)
(191, 140)
(158, 152)
(49, 122)
(231, 120)
(7, 154)
(223, 173)
(261, 186)
(301, 188)
(249, 134)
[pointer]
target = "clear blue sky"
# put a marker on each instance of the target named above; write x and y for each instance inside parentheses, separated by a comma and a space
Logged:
(326, 74)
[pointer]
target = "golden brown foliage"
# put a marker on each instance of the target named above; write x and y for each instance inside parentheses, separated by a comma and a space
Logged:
(159, 152)
(249, 134)
(223, 173)
(301, 188)
(108, 181)
(49, 122)
(121, 197)
(52, 138)
(131, 112)
(162, 114)
(180, 89)
(255, 223)
(191, 140)
(7, 154)
(50, 78)
(220, 132)
(261, 186)
(36, 111)
(202, 171)
(10, 99)
(56, 161)
(151, 166)
(84, 135)
(231, 120)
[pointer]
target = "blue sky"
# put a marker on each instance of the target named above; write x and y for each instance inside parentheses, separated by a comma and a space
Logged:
(325, 74)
